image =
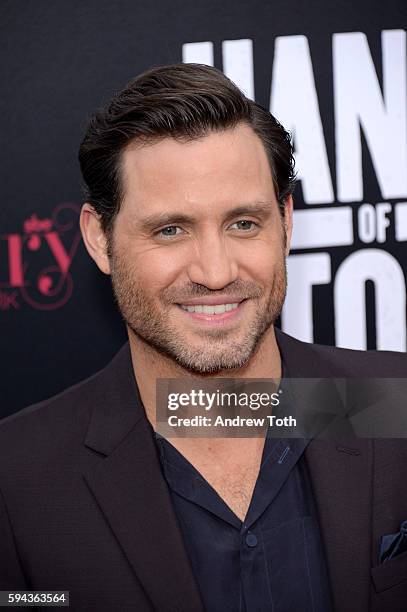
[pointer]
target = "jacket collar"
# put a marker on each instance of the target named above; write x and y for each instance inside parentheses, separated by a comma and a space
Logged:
(117, 407)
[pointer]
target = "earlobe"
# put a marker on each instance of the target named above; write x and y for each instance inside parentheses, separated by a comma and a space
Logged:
(94, 237)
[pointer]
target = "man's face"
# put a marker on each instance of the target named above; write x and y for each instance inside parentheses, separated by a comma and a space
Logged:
(198, 255)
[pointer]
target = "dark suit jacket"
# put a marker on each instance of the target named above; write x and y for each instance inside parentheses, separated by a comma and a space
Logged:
(84, 506)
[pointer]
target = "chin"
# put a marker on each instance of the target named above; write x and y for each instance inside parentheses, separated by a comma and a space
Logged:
(214, 363)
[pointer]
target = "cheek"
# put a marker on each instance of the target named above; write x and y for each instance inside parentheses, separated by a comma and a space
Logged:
(157, 268)
(260, 261)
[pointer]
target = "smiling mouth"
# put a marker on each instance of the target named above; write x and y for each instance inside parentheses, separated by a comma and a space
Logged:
(210, 310)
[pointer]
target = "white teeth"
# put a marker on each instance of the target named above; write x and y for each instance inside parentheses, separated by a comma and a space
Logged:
(218, 309)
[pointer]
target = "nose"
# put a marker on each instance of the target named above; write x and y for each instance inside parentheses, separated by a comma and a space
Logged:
(212, 263)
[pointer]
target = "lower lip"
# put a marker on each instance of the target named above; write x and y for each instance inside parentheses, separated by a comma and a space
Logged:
(219, 318)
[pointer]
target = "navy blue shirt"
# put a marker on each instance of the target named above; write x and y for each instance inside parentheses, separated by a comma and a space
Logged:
(274, 560)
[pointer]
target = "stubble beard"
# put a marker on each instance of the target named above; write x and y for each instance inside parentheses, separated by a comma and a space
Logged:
(215, 349)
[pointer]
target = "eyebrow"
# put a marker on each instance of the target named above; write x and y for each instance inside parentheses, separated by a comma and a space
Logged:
(153, 221)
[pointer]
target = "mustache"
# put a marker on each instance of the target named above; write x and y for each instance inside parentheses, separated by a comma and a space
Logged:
(244, 289)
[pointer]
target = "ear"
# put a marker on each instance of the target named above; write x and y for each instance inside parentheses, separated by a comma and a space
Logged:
(288, 222)
(94, 237)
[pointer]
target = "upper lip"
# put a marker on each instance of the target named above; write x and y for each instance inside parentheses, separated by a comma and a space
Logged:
(213, 301)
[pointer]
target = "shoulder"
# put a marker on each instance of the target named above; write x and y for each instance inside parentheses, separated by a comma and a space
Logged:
(310, 359)
(50, 424)
(50, 428)
(350, 362)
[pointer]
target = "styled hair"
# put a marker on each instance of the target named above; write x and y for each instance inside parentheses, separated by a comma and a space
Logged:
(182, 101)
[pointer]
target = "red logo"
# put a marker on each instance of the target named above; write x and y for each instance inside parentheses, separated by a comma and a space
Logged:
(35, 264)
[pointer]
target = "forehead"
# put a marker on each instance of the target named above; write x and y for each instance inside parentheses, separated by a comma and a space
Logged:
(220, 169)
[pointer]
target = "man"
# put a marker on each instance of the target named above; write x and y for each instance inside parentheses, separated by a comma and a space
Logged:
(189, 210)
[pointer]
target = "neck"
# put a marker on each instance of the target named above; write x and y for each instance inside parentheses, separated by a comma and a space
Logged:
(149, 365)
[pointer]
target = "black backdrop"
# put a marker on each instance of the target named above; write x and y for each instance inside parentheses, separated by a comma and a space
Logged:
(60, 60)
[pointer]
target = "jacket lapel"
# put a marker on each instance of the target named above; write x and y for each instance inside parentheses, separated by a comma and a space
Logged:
(341, 476)
(128, 486)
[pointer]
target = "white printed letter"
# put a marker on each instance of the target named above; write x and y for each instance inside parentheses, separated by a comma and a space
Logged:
(359, 103)
(294, 102)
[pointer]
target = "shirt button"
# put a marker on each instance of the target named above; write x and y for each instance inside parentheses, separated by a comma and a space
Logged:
(251, 540)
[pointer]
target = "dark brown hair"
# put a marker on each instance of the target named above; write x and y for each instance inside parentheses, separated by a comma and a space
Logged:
(182, 101)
